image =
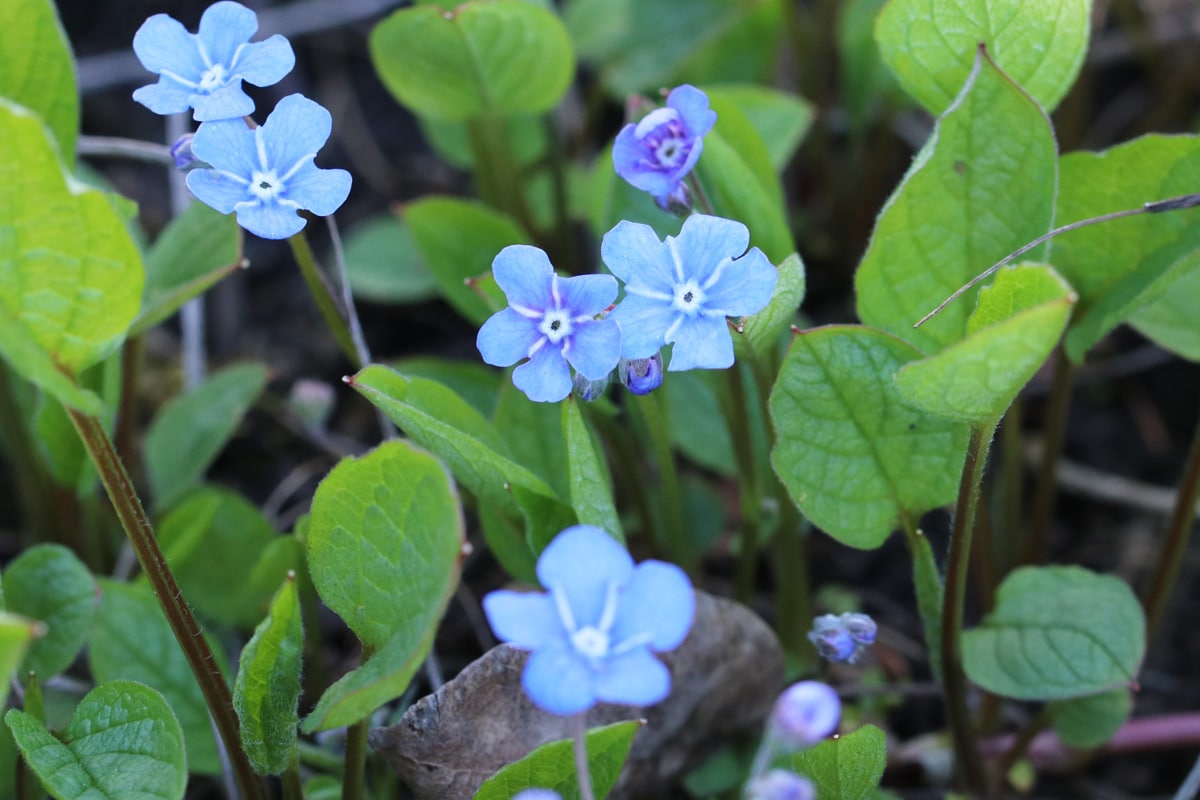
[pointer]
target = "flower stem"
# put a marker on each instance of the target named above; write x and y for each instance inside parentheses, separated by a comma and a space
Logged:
(737, 417)
(675, 538)
(966, 749)
(130, 512)
(698, 189)
(323, 296)
(356, 760)
(1047, 485)
(581, 759)
(293, 789)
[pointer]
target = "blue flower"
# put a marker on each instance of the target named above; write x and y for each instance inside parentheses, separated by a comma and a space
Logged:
(682, 289)
(537, 794)
(593, 634)
(804, 714)
(204, 71)
(842, 637)
(267, 174)
(779, 784)
(658, 152)
(551, 321)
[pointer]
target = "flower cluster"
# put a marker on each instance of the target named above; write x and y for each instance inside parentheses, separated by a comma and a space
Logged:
(657, 153)
(592, 634)
(266, 174)
(843, 637)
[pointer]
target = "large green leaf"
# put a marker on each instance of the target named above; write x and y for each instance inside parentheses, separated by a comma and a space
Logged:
(533, 436)
(500, 58)
(123, 743)
(71, 276)
(48, 583)
(980, 188)
(267, 690)
(1091, 721)
(1168, 315)
(929, 44)
(37, 70)
(846, 768)
(383, 265)
(552, 766)
(1056, 633)
(191, 430)
(853, 455)
(590, 486)
(1016, 325)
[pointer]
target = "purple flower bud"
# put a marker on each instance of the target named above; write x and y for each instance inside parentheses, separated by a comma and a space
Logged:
(779, 784)
(677, 202)
(804, 714)
(834, 644)
(641, 375)
(587, 389)
(181, 151)
(843, 637)
(860, 627)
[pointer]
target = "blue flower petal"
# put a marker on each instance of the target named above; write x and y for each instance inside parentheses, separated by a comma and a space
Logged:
(659, 600)
(223, 27)
(269, 220)
(583, 561)
(545, 378)
(558, 681)
(265, 63)
(744, 286)
(587, 294)
(635, 255)
(227, 103)
(506, 338)
(633, 162)
(701, 343)
(228, 145)
(528, 620)
(216, 189)
(643, 322)
(162, 43)
(165, 97)
(704, 242)
(692, 105)
(321, 191)
(524, 274)
(294, 132)
(635, 678)
(595, 348)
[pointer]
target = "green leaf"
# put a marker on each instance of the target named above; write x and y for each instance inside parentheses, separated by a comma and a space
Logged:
(552, 765)
(846, 768)
(746, 51)
(591, 487)
(48, 583)
(473, 381)
(16, 634)
(212, 520)
(266, 693)
(929, 45)
(608, 199)
(1122, 265)
(132, 640)
(981, 187)
(451, 141)
(533, 436)
(1087, 722)
(72, 277)
(457, 240)
(764, 328)
(499, 58)
(1019, 320)
(123, 743)
(442, 422)
(853, 455)
(930, 590)
(1056, 633)
(780, 119)
(37, 69)
(1168, 316)
(864, 79)
(191, 430)
(195, 251)
(38, 367)
(58, 440)
(692, 405)
(383, 265)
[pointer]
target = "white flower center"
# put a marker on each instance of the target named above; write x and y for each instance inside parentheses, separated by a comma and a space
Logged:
(590, 642)
(214, 78)
(555, 325)
(689, 297)
(265, 184)
(670, 151)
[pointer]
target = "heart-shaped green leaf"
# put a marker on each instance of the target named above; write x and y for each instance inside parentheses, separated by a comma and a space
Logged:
(846, 768)
(48, 583)
(37, 70)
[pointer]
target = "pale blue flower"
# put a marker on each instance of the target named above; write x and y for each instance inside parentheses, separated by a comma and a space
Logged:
(804, 714)
(537, 794)
(593, 633)
(682, 289)
(843, 637)
(779, 784)
(550, 321)
(204, 71)
(266, 174)
(658, 152)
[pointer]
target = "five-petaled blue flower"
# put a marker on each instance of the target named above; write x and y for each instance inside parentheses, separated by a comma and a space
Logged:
(204, 71)
(658, 152)
(593, 634)
(682, 289)
(267, 174)
(551, 321)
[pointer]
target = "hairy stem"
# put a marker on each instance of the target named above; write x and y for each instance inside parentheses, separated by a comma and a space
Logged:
(356, 760)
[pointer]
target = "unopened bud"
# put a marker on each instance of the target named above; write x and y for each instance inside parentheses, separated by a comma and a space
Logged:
(804, 714)
(181, 151)
(779, 784)
(641, 375)
(586, 389)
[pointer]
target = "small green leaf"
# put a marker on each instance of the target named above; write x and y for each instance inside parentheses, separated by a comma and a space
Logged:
(981, 187)
(764, 328)
(1087, 722)
(846, 768)
(930, 590)
(552, 765)
(853, 455)
(1019, 320)
(191, 430)
(1056, 633)
(37, 69)
(591, 487)
(383, 265)
(16, 634)
(132, 640)
(457, 240)
(1168, 316)
(780, 119)
(499, 58)
(48, 583)
(929, 45)
(267, 690)
(123, 743)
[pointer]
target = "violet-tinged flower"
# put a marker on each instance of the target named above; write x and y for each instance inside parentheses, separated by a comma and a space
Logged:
(804, 714)
(658, 152)
(593, 633)
(779, 784)
(181, 151)
(266, 174)
(641, 375)
(204, 71)
(843, 637)
(551, 321)
(681, 290)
